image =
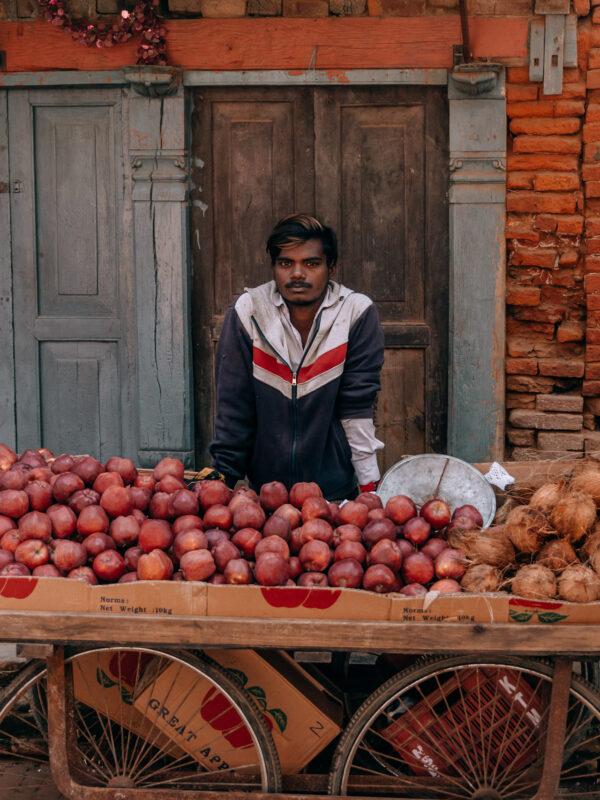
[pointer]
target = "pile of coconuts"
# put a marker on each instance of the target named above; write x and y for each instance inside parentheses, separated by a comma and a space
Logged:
(545, 550)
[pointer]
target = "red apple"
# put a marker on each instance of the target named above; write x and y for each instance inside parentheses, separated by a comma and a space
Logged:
(433, 547)
(65, 485)
(210, 493)
(414, 590)
(35, 525)
(63, 521)
(450, 563)
(6, 524)
(183, 503)
(247, 539)
(185, 522)
(171, 484)
(68, 555)
(313, 579)
(33, 553)
(188, 540)
(315, 555)
(354, 513)
(109, 565)
(273, 495)
(62, 463)
(40, 495)
(140, 497)
(145, 482)
(378, 529)
(218, 516)
(317, 529)
(116, 500)
(92, 519)
(15, 568)
(13, 503)
(97, 543)
(160, 506)
(446, 586)
(277, 526)
(379, 578)
(168, 466)
(400, 508)
(437, 513)
(154, 566)
(315, 508)
(124, 466)
(295, 567)
(197, 565)
(351, 549)
(272, 544)
(10, 540)
(88, 469)
(237, 571)
(347, 533)
(387, 552)
(155, 534)
(125, 530)
(223, 552)
(346, 573)
(469, 511)
(128, 577)
(13, 479)
(370, 499)
(300, 491)
(271, 569)
(417, 530)
(7, 457)
(291, 513)
(85, 574)
(106, 480)
(417, 568)
(46, 571)
(132, 556)
(6, 557)
(249, 515)
(82, 498)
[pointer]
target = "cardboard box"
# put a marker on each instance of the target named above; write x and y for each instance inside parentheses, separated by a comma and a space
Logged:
(302, 718)
(296, 602)
(527, 611)
(466, 608)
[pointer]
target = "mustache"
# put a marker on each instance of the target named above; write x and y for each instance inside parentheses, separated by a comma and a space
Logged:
(298, 285)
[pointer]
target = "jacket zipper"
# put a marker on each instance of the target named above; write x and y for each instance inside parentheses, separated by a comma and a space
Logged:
(293, 465)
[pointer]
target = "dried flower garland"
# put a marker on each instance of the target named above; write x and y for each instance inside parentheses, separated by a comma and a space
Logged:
(142, 20)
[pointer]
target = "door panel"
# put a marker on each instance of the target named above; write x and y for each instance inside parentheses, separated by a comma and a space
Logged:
(72, 286)
(372, 162)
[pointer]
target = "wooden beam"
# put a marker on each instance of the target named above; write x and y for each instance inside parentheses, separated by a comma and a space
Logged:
(291, 44)
(391, 637)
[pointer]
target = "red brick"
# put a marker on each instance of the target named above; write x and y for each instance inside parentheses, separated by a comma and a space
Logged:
(561, 369)
(545, 420)
(581, 7)
(593, 319)
(593, 302)
(591, 132)
(592, 352)
(569, 331)
(520, 92)
(518, 75)
(592, 205)
(560, 277)
(517, 436)
(590, 388)
(569, 257)
(555, 181)
(592, 405)
(546, 222)
(596, 15)
(591, 152)
(537, 108)
(521, 228)
(554, 295)
(527, 383)
(592, 245)
(592, 112)
(538, 162)
(574, 90)
(560, 441)
(531, 202)
(569, 108)
(592, 263)
(534, 257)
(592, 226)
(522, 296)
(518, 400)
(571, 403)
(305, 8)
(593, 79)
(592, 189)
(592, 335)
(547, 144)
(592, 372)
(541, 126)
(590, 172)
(521, 366)
(570, 224)
(532, 330)
(592, 283)
(571, 74)
(539, 314)
(520, 180)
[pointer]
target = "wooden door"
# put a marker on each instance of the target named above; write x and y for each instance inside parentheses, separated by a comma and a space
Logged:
(372, 162)
(72, 288)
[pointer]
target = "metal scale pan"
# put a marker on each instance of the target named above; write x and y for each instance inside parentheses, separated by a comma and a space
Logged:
(459, 483)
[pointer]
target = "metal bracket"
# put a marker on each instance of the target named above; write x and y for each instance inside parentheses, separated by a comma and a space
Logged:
(458, 54)
(154, 81)
(476, 77)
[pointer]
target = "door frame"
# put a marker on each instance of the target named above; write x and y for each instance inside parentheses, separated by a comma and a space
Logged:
(477, 263)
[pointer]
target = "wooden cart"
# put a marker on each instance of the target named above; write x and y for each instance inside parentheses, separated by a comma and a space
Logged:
(558, 741)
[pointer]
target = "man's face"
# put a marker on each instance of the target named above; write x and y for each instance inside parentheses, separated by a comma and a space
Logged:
(301, 273)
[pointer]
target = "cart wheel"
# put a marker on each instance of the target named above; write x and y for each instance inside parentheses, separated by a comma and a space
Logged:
(466, 728)
(142, 718)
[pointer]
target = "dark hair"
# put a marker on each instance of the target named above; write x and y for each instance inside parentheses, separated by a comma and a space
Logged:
(294, 229)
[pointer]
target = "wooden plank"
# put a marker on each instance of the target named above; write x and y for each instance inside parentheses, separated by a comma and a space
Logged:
(536, 50)
(390, 637)
(275, 43)
(554, 47)
(7, 366)
(570, 58)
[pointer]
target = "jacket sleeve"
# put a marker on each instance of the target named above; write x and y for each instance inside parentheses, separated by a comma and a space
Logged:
(235, 423)
(364, 358)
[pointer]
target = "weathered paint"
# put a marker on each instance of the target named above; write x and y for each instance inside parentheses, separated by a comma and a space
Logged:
(277, 43)
(7, 374)
(477, 273)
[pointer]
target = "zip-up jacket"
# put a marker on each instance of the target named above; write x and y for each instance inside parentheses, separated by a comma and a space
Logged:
(277, 420)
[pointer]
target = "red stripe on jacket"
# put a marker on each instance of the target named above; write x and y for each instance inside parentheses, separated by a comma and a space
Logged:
(327, 361)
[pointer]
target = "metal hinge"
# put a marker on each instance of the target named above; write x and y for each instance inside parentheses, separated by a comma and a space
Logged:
(16, 187)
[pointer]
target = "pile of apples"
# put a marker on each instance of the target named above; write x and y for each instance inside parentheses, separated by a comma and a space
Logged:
(73, 517)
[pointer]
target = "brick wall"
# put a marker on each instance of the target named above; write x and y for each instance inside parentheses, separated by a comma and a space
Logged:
(553, 257)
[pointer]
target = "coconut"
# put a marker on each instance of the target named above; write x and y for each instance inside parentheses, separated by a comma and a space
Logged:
(490, 546)
(574, 515)
(481, 578)
(595, 560)
(587, 481)
(536, 581)
(527, 528)
(579, 584)
(556, 555)
(505, 509)
(547, 496)
(591, 542)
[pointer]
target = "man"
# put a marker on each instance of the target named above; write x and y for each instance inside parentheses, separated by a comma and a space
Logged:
(297, 372)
